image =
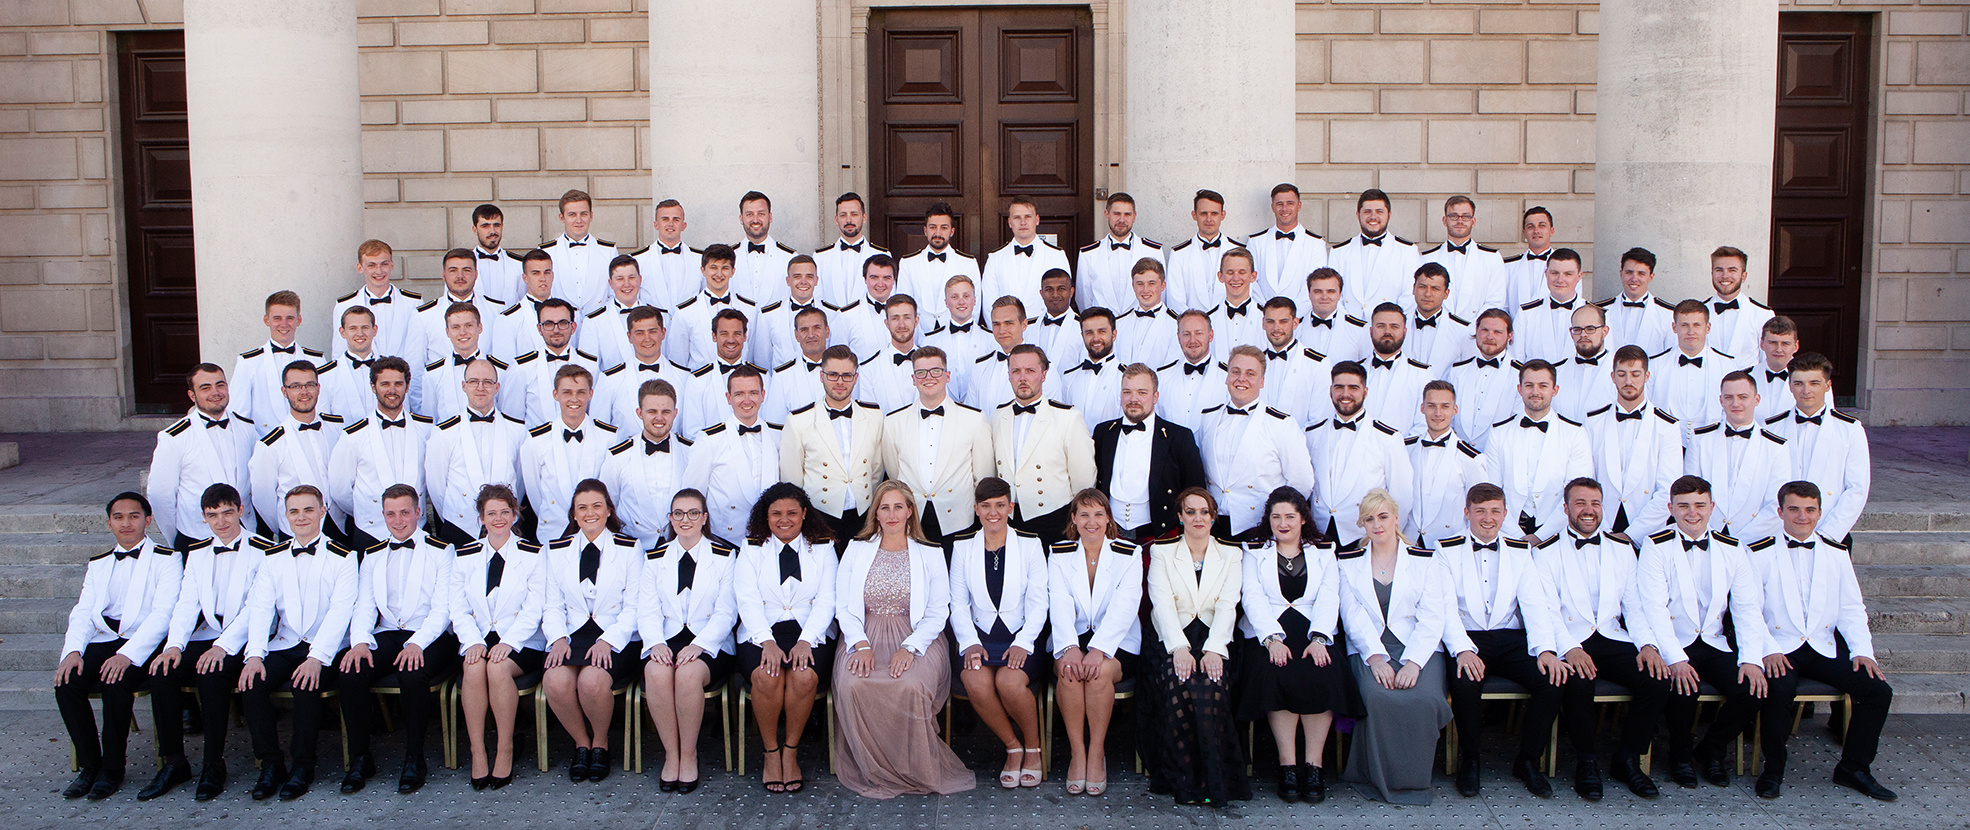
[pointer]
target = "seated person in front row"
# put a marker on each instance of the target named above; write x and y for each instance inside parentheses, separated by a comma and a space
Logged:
(998, 610)
(590, 622)
(685, 612)
(498, 587)
(1185, 712)
(1094, 588)
(784, 587)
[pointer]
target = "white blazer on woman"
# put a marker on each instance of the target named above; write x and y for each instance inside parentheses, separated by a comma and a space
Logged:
(1178, 595)
(1022, 602)
(610, 600)
(930, 593)
(1420, 605)
(707, 607)
(1264, 602)
(1106, 605)
(512, 609)
(763, 598)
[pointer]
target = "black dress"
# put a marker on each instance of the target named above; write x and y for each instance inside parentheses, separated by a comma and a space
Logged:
(1300, 686)
(1188, 739)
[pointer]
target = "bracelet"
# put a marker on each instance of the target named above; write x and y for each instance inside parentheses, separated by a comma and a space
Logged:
(858, 649)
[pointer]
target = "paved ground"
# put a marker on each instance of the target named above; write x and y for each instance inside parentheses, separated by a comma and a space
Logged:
(1925, 757)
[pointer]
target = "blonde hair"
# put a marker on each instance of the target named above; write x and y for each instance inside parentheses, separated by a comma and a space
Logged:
(1375, 501)
(912, 528)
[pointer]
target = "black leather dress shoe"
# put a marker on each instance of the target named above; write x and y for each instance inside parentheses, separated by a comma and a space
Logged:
(1711, 767)
(1289, 783)
(1313, 784)
(1769, 783)
(1628, 770)
(297, 784)
(1587, 780)
(80, 786)
(1862, 781)
(1535, 780)
(211, 782)
(1467, 777)
(170, 776)
(598, 763)
(578, 766)
(412, 778)
(1684, 774)
(106, 784)
(361, 769)
(272, 775)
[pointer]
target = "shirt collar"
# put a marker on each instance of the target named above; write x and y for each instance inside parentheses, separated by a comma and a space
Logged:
(388, 290)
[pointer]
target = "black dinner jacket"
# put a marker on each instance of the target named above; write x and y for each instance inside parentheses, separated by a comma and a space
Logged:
(1174, 466)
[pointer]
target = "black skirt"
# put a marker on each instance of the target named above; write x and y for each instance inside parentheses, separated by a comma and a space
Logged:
(626, 664)
(1188, 739)
(530, 661)
(1127, 660)
(720, 664)
(998, 641)
(785, 634)
(1300, 686)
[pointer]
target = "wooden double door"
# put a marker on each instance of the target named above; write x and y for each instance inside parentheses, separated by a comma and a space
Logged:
(157, 217)
(973, 107)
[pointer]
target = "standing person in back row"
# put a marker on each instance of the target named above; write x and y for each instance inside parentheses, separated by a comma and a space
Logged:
(761, 260)
(1016, 268)
(841, 264)
(1526, 271)
(1378, 265)
(1477, 273)
(257, 374)
(927, 273)
(1193, 268)
(498, 268)
(581, 260)
(1735, 317)
(399, 330)
(1102, 270)
(1286, 252)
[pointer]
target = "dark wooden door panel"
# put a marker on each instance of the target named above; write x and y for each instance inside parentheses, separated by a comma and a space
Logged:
(157, 217)
(973, 107)
(1819, 183)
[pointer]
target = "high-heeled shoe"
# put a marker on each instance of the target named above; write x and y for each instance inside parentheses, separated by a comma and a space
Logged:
(793, 785)
(666, 785)
(687, 787)
(482, 782)
(499, 782)
(770, 756)
(1031, 777)
(1009, 780)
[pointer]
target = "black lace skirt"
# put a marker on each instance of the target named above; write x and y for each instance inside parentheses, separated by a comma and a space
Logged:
(1188, 738)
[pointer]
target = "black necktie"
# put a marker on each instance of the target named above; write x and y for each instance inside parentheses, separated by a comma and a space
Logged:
(552, 357)
(281, 349)
(1212, 244)
(386, 423)
(957, 329)
(124, 554)
(460, 359)
(857, 247)
(934, 257)
(1052, 321)
(1738, 433)
(1023, 250)
(591, 562)
(1782, 374)
(495, 568)
(383, 300)
(898, 358)
(316, 426)
(1796, 418)
(1285, 234)
(1018, 410)
(1378, 363)
(1634, 304)
(1490, 546)
(1090, 366)
(480, 419)
(1720, 308)
(1196, 368)
(755, 247)
(1128, 427)
(1531, 256)
(578, 244)
(725, 300)
(1347, 425)
(484, 255)
(840, 413)
(1317, 321)
(1686, 360)
(1442, 442)
(1528, 423)
(789, 563)
(926, 413)
(687, 571)
(1795, 543)
(570, 435)
(1583, 541)
(1425, 322)
(1455, 248)
(395, 545)
(1377, 241)
(1118, 246)
(1492, 363)
(649, 367)
(663, 250)
(748, 430)
(1568, 305)
(1689, 544)
(653, 447)
(1620, 416)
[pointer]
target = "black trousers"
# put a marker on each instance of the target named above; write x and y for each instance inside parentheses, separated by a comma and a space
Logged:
(1719, 669)
(844, 527)
(1222, 529)
(453, 534)
(358, 704)
(103, 751)
(1614, 661)
(215, 689)
(259, 704)
(933, 528)
(1050, 527)
(1870, 707)
(1503, 653)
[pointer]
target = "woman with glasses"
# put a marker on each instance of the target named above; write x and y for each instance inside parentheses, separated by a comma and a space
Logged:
(1094, 589)
(685, 613)
(498, 587)
(784, 586)
(590, 621)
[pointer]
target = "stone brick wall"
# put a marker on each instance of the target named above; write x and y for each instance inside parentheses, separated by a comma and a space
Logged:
(506, 101)
(1425, 100)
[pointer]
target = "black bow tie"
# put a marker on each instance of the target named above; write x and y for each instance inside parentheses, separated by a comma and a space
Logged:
(789, 563)
(386, 423)
(1118, 246)
(125, 554)
(1782, 374)
(1091, 366)
(755, 247)
(1285, 234)
(570, 435)
(495, 568)
(461, 359)
(1528, 423)
(1211, 244)
(1620, 416)
(484, 255)
(899, 358)
(1196, 368)
(726, 368)
(281, 349)
(811, 364)
(476, 418)
(551, 357)
(1530, 255)
(1588, 361)
(1426, 322)
(1738, 433)
(591, 562)
(653, 447)
(1137, 426)
(1686, 360)
(1568, 305)
(1795, 543)
(687, 571)
(840, 413)
(1280, 354)
(1583, 541)
(926, 413)
(1720, 308)
(661, 249)
(1347, 425)
(383, 300)
(1691, 544)
(578, 244)
(1023, 250)
(1796, 418)
(1634, 304)
(1144, 312)
(857, 247)
(1378, 363)
(308, 548)
(537, 304)
(725, 300)
(1455, 248)
(649, 367)
(1376, 241)
(313, 425)
(1441, 442)
(935, 257)
(623, 309)
(877, 307)
(956, 329)
(1018, 410)
(1232, 410)
(1491, 363)
(1053, 321)
(360, 363)
(221, 423)
(1240, 310)
(748, 430)
(407, 543)
(1320, 321)
(1490, 546)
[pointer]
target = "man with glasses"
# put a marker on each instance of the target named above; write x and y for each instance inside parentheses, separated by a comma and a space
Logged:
(1477, 273)
(531, 381)
(833, 450)
(937, 447)
(1586, 381)
(294, 452)
(470, 450)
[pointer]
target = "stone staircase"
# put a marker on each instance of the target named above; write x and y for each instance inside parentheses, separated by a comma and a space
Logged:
(1914, 569)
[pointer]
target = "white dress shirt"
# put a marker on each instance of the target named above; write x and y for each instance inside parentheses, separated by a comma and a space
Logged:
(840, 269)
(1231, 326)
(192, 454)
(618, 392)
(1688, 386)
(302, 594)
(1525, 278)
(1487, 392)
(556, 458)
(1193, 272)
(1444, 469)
(400, 330)
(212, 595)
(1296, 382)
(1101, 273)
(137, 591)
(291, 455)
(373, 454)
(732, 463)
(760, 271)
(1498, 586)
(1647, 322)
(1737, 326)
(1810, 596)
(1351, 457)
(671, 274)
(1586, 384)
(1593, 580)
(939, 457)
(404, 589)
(1745, 467)
(1439, 339)
(1095, 388)
(1637, 454)
(1395, 391)
(1185, 390)
(1774, 391)
(688, 335)
(1147, 335)
(1533, 466)
(642, 476)
(1540, 329)
(1128, 485)
(1015, 271)
(581, 269)
(1687, 590)
(257, 376)
(1339, 337)
(467, 452)
(922, 275)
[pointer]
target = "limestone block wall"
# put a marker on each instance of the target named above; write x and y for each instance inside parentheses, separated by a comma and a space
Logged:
(1429, 99)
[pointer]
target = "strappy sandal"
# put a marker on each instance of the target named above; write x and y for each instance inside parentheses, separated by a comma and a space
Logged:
(793, 785)
(1029, 777)
(1010, 780)
(768, 756)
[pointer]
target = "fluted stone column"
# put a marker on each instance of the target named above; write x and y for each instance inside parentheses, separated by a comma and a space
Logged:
(276, 162)
(1685, 96)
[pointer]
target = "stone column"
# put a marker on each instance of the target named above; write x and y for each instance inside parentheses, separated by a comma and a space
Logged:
(276, 162)
(1686, 95)
(1209, 104)
(735, 106)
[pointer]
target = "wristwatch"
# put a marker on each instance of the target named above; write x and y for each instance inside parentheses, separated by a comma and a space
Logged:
(913, 650)
(1322, 638)
(1276, 638)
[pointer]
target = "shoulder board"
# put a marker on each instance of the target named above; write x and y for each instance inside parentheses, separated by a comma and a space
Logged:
(872, 358)
(1355, 320)
(771, 425)
(714, 429)
(1432, 249)
(1566, 419)
(1665, 304)
(1483, 247)
(543, 429)
(1403, 241)
(1659, 413)
(1531, 305)
(1754, 301)
(1453, 542)
(771, 306)
(1780, 417)
(1607, 303)
(264, 544)
(657, 552)
(1018, 532)
(867, 405)
(1664, 537)
(1181, 245)
(722, 547)
(1465, 362)
(1277, 414)
(178, 428)
(1345, 242)
(1150, 242)
(1385, 429)
(520, 421)
(515, 257)
(256, 352)
(529, 357)
(1090, 246)
(963, 405)
(1597, 413)
(1170, 365)
(273, 436)
(1619, 537)
(435, 542)
(1725, 537)
(605, 425)
(585, 356)
(597, 312)
(276, 547)
(1422, 552)
(1411, 440)
(1063, 546)
(1351, 553)
(323, 369)
(422, 419)
(1724, 355)
(1833, 543)
(1506, 421)
(1456, 319)
(1661, 353)
(1706, 429)
(428, 305)
(1313, 355)
(959, 537)
(414, 295)
(623, 447)
(563, 542)
(1233, 543)
(529, 547)
(510, 309)
(641, 251)
(1517, 543)
(434, 365)
(614, 369)
(626, 539)
(824, 249)
(311, 352)
(1773, 438)
(1845, 417)
(496, 362)
(1548, 543)
(800, 409)
(1124, 546)
(1049, 243)
(782, 246)
(339, 549)
(701, 372)
(1418, 364)
(1313, 426)
(904, 408)
(1467, 449)
(349, 296)
(355, 427)
(1058, 405)
(1518, 365)
(1210, 410)
(200, 544)
(687, 303)
(1762, 544)
(450, 422)
(1515, 257)
(468, 548)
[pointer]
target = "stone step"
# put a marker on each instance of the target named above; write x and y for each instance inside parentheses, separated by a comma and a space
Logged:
(1911, 548)
(1914, 580)
(51, 518)
(1918, 615)
(34, 615)
(29, 652)
(27, 689)
(26, 581)
(52, 548)
(1919, 516)
(1923, 653)
(1931, 694)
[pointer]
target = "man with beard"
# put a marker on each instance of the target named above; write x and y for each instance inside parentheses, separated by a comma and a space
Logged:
(1043, 447)
(532, 377)
(841, 264)
(1585, 383)
(1534, 455)
(1376, 263)
(461, 275)
(925, 273)
(210, 445)
(1094, 385)
(1436, 336)
(760, 260)
(1487, 382)
(1395, 382)
(1194, 381)
(1104, 266)
(498, 269)
(1143, 461)
(1638, 449)
(887, 372)
(1351, 455)
(1736, 317)
(383, 448)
